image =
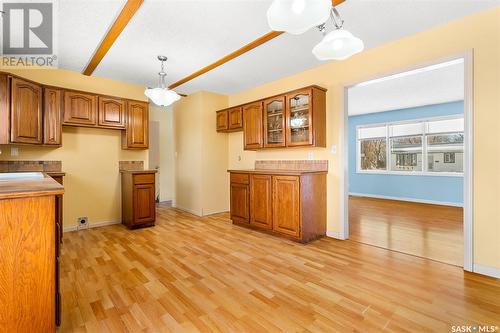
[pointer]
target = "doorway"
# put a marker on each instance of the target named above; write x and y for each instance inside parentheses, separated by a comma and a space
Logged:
(154, 153)
(401, 164)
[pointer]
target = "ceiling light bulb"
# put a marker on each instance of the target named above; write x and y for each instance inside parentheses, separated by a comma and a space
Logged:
(339, 44)
(162, 96)
(298, 6)
(297, 16)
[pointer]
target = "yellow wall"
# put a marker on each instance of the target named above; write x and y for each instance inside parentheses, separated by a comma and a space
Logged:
(200, 155)
(89, 156)
(480, 32)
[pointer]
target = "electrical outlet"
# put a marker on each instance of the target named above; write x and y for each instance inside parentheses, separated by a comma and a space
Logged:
(83, 223)
(310, 156)
(14, 151)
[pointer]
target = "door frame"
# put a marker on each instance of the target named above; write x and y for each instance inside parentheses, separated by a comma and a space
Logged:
(468, 63)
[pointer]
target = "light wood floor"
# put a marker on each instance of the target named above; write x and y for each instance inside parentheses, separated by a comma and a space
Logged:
(429, 231)
(190, 274)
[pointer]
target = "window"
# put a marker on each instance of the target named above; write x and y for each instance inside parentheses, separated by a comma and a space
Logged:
(373, 145)
(419, 147)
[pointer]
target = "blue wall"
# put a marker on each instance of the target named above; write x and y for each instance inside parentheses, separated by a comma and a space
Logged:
(442, 189)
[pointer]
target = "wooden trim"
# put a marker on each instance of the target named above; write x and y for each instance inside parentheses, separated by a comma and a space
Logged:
(120, 23)
(248, 47)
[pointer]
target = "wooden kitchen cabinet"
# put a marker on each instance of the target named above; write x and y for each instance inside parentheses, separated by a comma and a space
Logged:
(222, 121)
(111, 112)
(283, 203)
(261, 201)
(306, 117)
(80, 109)
(52, 113)
(240, 198)
(138, 198)
(235, 119)
(274, 122)
(136, 135)
(252, 126)
(26, 112)
(286, 208)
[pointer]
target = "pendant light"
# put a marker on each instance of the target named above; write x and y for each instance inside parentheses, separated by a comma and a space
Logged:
(297, 16)
(339, 44)
(162, 96)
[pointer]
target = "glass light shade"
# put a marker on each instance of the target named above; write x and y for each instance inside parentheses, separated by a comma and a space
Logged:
(339, 44)
(298, 16)
(162, 96)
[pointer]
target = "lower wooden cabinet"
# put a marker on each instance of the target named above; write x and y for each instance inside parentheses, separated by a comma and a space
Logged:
(138, 198)
(261, 201)
(291, 205)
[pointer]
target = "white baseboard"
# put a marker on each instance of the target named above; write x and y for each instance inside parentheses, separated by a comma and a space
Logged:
(335, 234)
(74, 227)
(487, 270)
(432, 202)
(188, 210)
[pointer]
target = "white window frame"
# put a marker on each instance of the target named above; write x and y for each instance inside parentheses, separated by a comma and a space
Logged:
(388, 170)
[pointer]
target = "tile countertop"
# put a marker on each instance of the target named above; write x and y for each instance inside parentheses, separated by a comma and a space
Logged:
(138, 171)
(28, 187)
(277, 172)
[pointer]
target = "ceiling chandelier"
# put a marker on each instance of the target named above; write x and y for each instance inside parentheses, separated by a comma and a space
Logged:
(298, 16)
(162, 96)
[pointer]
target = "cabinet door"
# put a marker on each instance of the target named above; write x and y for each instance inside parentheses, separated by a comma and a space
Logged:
(274, 122)
(80, 109)
(252, 125)
(235, 118)
(52, 113)
(299, 119)
(137, 125)
(111, 112)
(286, 205)
(26, 112)
(222, 121)
(261, 201)
(240, 212)
(144, 203)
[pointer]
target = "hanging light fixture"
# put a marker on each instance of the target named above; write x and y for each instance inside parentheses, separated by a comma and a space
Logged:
(162, 96)
(297, 16)
(339, 44)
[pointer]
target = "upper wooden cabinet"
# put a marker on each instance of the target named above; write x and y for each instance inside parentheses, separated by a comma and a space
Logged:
(136, 135)
(252, 126)
(26, 112)
(229, 120)
(222, 121)
(235, 119)
(52, 109)
(293, 119)
(274, 122)
(111, 112)
(80, 109)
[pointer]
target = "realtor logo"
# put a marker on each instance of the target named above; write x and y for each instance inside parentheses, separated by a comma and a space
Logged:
(27, 28)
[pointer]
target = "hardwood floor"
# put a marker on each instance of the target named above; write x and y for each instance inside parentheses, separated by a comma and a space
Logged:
(428, 231)
(190, 274)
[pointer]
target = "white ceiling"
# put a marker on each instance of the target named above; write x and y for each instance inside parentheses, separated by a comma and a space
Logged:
(195, 33)
(424, 86)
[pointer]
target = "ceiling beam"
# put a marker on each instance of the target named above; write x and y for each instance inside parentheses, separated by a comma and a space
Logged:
(128, 11)
(259, 41)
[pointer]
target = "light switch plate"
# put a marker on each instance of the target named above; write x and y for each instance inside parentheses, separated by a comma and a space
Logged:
(334, 149)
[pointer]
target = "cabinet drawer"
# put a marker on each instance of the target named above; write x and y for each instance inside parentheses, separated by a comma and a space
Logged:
(240, 178)
(147, 178)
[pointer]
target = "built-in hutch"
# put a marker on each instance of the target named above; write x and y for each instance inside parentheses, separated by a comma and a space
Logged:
(293, 119)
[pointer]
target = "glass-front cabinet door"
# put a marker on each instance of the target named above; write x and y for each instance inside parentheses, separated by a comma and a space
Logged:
(299, 119)
(274, 122)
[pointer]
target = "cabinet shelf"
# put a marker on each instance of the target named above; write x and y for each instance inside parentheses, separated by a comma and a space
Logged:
(293, 110)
